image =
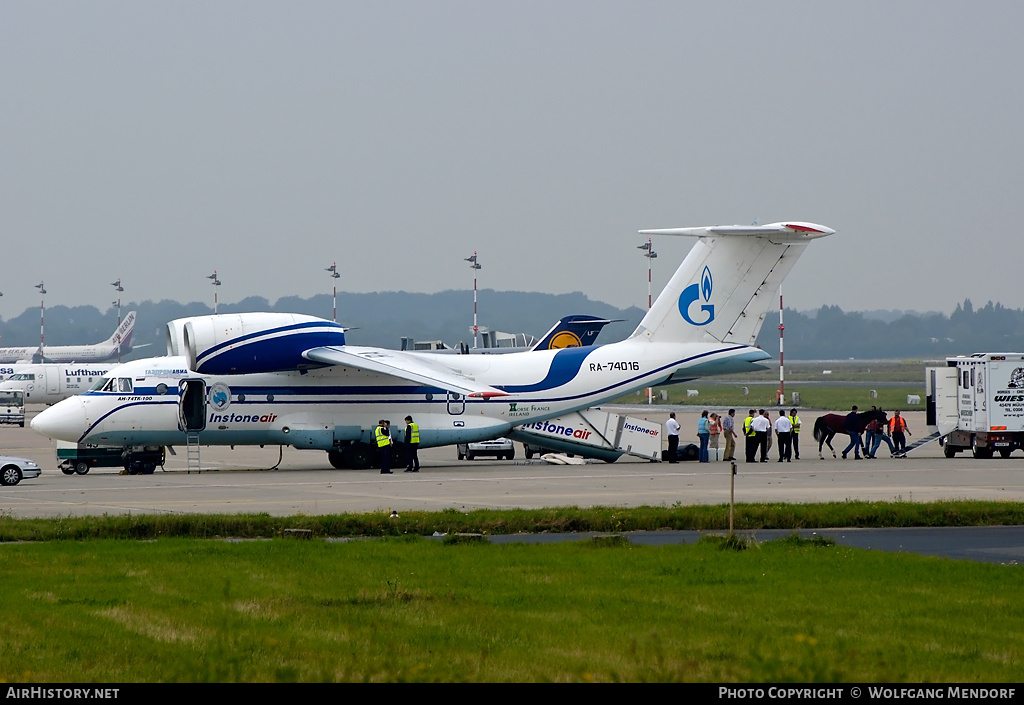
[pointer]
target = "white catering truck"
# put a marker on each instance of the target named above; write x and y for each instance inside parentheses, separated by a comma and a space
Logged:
(977, 403)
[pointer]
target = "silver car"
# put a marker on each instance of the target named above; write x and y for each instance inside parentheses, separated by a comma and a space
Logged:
(13, 469)
(499, 448)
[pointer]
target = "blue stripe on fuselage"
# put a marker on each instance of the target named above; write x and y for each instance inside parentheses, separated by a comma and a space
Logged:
(625, 383)
(565, 365)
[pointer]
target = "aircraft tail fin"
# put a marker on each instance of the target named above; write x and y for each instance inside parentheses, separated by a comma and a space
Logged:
(573, 332)
(725, 286)
(123, 335)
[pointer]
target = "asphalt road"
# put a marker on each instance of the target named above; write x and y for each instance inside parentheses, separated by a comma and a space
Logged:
(239, 481)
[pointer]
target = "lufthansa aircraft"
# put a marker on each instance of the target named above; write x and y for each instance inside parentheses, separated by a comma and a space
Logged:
(49, 383)
(289, 379)
(120, 341)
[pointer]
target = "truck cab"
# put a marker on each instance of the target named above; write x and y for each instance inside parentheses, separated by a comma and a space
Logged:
(12, 407)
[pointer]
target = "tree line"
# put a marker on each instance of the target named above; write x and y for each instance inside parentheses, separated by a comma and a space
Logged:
(382, 318)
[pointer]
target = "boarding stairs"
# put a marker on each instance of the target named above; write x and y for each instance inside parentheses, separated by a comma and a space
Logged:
(192, 454)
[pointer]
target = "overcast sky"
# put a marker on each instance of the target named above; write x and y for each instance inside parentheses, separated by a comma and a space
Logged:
(157, 142)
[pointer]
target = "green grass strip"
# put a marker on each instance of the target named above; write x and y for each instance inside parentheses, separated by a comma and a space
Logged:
(563, 519)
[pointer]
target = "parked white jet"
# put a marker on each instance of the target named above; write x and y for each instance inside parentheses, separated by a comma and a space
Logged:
(49, 383)
(266, 378)
(100, 352)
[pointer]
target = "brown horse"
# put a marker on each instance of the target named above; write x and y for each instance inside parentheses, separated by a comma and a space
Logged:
(827, 426)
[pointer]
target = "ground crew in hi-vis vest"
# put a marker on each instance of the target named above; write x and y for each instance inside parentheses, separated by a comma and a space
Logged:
(382, 435)
(412, 444)
(749, 437)
(794, 419)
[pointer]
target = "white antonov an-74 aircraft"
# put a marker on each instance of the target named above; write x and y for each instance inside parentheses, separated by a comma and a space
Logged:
(267, 378)
(100, 352)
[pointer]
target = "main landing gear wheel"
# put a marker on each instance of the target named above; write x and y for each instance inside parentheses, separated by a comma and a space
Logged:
(358, 456)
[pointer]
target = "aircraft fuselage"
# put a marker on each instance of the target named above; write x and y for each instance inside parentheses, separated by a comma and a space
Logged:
(155, 401)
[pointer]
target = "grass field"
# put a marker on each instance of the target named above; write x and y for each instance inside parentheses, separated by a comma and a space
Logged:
(872, 371)
(762, 396)
(847, 383)
(412, 609)
(156, 599)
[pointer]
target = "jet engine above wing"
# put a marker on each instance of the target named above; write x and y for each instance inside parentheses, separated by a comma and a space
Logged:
(412, 367)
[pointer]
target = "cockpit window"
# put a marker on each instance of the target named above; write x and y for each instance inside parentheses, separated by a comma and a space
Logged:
(114, 384)
(101, 383)
(22, 376)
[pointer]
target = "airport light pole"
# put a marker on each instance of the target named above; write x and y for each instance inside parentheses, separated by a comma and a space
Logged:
(42, 316)
(333, 269)
(782, 374)
(216, 283)
(475, 265)
(650, 254)
(118, 288)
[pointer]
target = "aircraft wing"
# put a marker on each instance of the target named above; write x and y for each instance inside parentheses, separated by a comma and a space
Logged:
(411, 366)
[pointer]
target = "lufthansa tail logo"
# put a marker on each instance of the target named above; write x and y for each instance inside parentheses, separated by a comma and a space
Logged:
(564, 339)
(694, 293)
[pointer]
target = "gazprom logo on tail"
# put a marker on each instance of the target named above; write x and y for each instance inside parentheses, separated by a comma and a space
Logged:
(694, 293)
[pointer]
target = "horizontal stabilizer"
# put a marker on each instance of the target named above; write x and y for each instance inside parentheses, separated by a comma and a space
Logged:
(776, 232)
(414, 367)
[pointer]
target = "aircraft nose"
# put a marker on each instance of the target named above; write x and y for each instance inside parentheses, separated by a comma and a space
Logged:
(64, 421)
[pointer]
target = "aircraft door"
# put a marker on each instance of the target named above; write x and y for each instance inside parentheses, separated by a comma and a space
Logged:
(52, 380)
(191, 405)
(456, 403)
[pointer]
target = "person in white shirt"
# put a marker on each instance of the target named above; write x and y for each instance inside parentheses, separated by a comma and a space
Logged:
(784, 432)
(672, 431)
(762, 427)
